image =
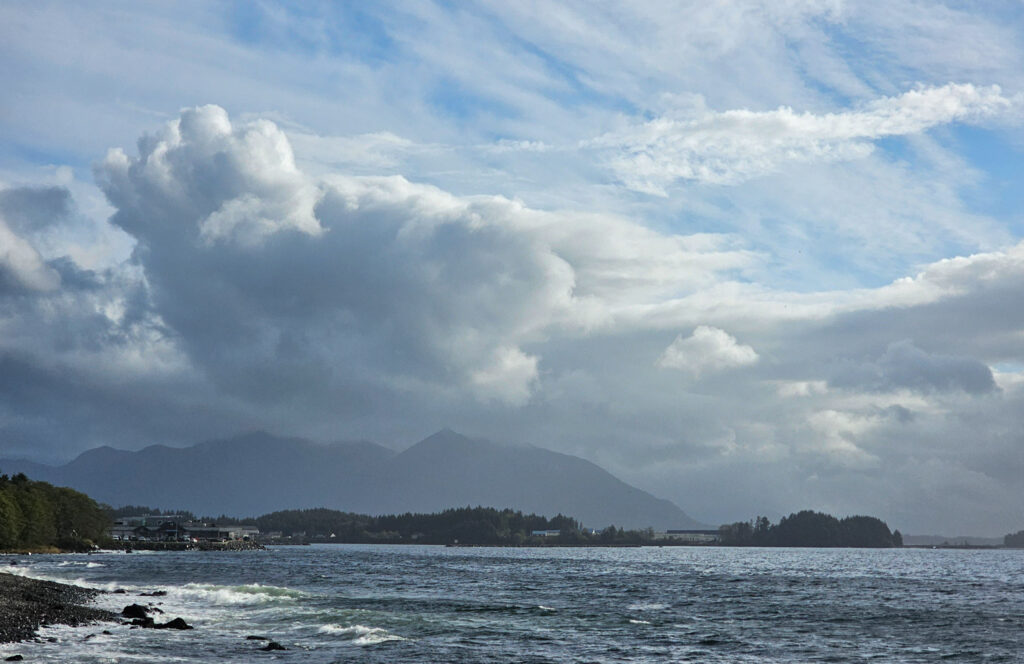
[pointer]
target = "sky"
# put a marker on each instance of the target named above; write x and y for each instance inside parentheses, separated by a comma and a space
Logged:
(753, 257)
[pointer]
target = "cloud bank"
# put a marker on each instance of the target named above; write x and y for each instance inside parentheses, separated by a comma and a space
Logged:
(400, 218)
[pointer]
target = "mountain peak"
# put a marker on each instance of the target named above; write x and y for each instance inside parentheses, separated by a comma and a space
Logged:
(444, 443)
(448, 434)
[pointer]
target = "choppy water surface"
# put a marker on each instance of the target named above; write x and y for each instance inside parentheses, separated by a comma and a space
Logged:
(434, 604)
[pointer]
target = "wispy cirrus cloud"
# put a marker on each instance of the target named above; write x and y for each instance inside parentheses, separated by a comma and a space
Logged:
(729, 147)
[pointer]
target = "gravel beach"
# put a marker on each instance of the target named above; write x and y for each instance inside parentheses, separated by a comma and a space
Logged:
(27, 604)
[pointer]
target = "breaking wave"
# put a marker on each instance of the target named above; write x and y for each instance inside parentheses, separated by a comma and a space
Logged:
(237, 595)
(361, 634)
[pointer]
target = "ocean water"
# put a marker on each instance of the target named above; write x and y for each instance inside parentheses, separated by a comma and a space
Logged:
(353, 603)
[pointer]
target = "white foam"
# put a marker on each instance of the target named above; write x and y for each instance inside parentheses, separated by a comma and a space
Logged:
(79, 563)
(647, 606)
(639, 622)
(236, 595)
(544, 608)
(363, 635)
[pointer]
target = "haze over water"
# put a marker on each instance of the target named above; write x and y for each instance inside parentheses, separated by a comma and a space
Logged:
(332, 603)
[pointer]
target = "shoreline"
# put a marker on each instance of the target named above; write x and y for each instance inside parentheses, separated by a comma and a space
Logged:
(27, 604)
(232, 545)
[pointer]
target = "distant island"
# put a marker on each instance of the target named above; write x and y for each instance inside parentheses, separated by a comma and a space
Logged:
(812, 529)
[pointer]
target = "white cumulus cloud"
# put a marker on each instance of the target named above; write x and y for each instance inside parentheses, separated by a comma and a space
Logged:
(707, 349)
(316, 281)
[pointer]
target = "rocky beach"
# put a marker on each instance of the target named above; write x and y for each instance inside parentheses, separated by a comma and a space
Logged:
(28, 604)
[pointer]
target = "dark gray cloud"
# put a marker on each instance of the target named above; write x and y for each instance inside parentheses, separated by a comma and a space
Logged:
(904, 365)
(27, 209)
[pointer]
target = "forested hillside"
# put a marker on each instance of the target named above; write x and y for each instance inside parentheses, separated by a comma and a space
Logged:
(37, 515)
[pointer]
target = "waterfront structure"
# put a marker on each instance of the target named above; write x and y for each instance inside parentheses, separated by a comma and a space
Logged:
(173, 528)
(689, 536)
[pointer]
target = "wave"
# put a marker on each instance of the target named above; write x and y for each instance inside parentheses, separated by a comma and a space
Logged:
(362, 635)
(79, 563)
(237, 595)
(639, 622)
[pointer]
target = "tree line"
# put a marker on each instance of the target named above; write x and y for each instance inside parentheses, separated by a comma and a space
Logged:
(463, 525)
(811, 529)
(37, 515)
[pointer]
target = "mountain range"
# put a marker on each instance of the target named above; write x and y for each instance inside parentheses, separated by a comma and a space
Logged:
(257, 473)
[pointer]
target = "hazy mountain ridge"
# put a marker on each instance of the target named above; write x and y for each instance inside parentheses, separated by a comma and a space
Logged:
(256, 473)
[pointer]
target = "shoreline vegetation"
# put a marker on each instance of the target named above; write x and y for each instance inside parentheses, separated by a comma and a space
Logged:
(39, 517)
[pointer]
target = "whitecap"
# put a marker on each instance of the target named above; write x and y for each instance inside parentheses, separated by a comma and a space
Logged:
(647, 606)
(639, 622)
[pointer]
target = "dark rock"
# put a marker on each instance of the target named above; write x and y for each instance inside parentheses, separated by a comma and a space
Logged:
(26, 604)
(135, 611)
(120, 591)
(273, 645)
(143, 622)
(177, 623)
(14, 658)
(107, 632)
(155, 593)
(14, 562)
(256, 638)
